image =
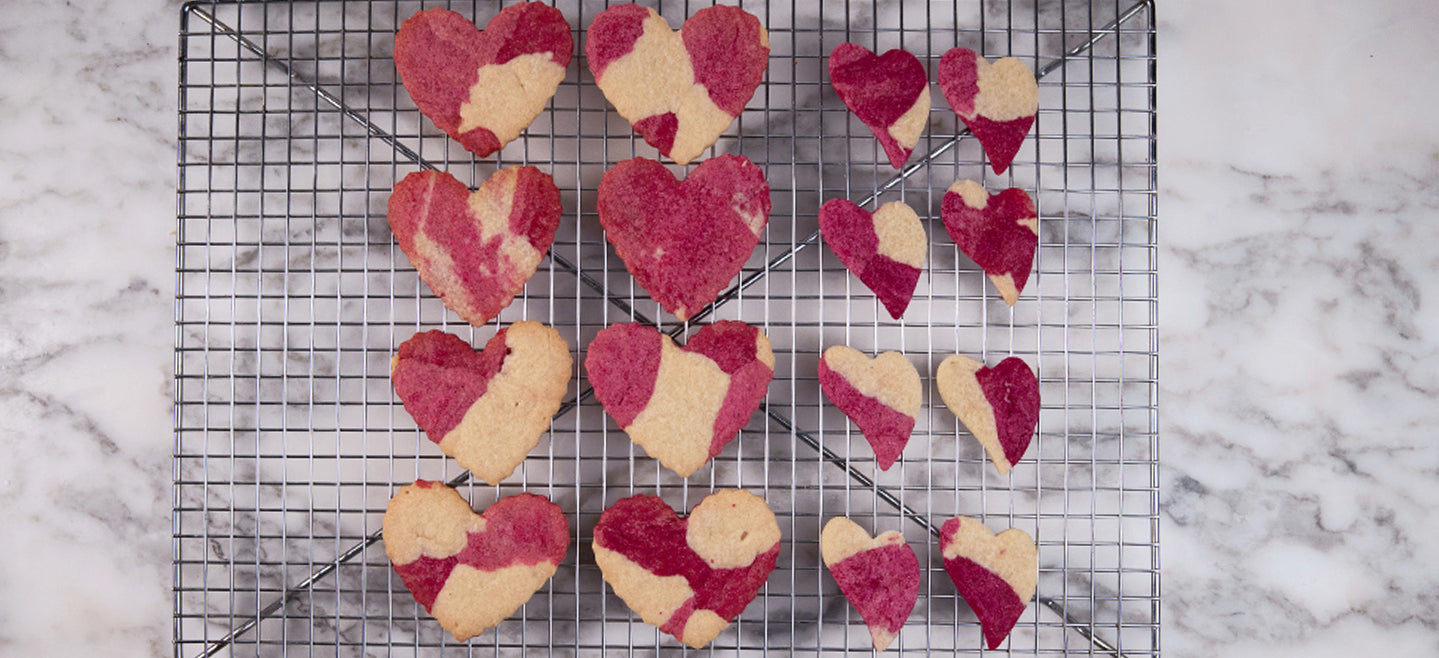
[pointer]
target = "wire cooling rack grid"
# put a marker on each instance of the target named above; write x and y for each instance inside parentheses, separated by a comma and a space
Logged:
(291, 297)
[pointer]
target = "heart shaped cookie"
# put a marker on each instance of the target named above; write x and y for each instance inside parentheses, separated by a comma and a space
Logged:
(681, 404)
(684, 241)
(997, 101)
(486, 409)
(996, 574)
(469, 570)
(999, 232)
(879, 576)
(881, 395)
(679, 90)
(884, 249)
(889, 93)
(476, 251)
(690, 577)
(484, 88)
(999, 405)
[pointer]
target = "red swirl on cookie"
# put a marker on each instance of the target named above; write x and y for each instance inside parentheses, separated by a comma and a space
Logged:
(688, 576)
(889, 93)
(1000, 232)
(684, 241)
(881, 395)
(469, 570)
(681, 404)
(996, 574)
(484, 88)
(878, 575)
(999, 405)
(997, 101)
(486, 409)
(885, 249)
(476, 251)
(679, 89)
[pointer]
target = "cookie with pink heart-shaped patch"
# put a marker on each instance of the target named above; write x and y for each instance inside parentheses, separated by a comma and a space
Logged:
(885, 249)
(682, 405)
(679, 89)
(684, 241)
(999, 232)
(889, 93)
(483, 88)
(999, 405)
(881, 395)
(476, 251)
(878, 575)
(690, 577)
(469, 570)
(486, 409)
(997, 101)
(996, 574)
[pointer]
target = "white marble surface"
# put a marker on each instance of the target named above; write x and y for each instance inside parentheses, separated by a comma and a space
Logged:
(1298, 158)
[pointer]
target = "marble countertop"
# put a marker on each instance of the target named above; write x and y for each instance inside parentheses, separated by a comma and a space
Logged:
(1300, 472)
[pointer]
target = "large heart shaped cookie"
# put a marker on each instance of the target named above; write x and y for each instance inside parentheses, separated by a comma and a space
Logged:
(884, 249)
(997, 101)
(996, 574)
(690, 577)
(879, 575)
(679, 90)
(889, 93)
(476, 251)
(469, 570)
(881, 395)
(684, 242)
(999, 405)
(681, 404)
(486, 409)
(484, 88)
(1000, 232)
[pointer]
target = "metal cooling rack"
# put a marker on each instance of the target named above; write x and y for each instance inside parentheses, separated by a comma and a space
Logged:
(291, 296)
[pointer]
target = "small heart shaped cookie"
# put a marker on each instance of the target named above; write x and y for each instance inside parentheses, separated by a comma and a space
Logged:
(484, 88)
(684, 241)
(469, 570)
(879, 576)
(889, 93)
(884, 249)
(681, 404)
(1000, 232)
(679, 89)
(999, 405)
(476, 251)
(997, 101)
(996, 574)
(486, 409)
(881, 395)
(690, 577)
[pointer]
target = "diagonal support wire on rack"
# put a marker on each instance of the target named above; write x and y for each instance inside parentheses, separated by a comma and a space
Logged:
(626, 307)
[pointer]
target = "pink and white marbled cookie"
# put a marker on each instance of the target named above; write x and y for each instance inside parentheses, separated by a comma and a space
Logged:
(999, 405)
(878, 575)
(690, 577)
(679, 89)
(484, 87)
(469, 570)
(486, 409)
(881, 395)
(476, 251)
(681, 404)
(997, 101)
(999, 232)
(885, 249)
(996, 574)
(889, 93)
